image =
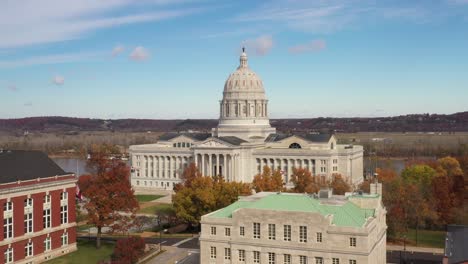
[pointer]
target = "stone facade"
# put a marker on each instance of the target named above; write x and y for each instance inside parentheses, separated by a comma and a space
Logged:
(241, 144)
(287, 234)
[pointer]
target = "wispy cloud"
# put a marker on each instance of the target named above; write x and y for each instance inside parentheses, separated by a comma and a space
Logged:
(313, 46)
(12, 88)
(117, 50)
(50, 59)
(58, 80)
(260, 46)
(28, 104)
(333, 15)
(139, 54)
(29, 22)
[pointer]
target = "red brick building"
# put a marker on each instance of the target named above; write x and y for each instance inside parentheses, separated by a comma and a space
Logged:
(38, 202)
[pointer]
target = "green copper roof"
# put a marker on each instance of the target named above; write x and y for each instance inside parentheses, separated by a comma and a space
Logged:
(344, 213)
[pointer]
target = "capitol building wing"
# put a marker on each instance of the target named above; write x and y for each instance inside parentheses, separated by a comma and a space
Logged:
(242, 144)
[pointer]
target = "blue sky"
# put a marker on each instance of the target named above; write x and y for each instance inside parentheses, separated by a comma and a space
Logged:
(170, 58)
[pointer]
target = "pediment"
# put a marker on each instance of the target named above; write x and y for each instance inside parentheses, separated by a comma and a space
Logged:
(213, 143)
(181, 138)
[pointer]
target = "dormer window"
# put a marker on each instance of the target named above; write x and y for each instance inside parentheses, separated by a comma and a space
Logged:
(295, 146)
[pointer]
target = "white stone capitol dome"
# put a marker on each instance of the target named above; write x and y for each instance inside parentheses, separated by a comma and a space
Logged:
(244, 83)
(243, 109)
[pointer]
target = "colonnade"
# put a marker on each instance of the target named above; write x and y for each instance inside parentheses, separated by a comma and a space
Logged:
(163, 166)
(286, 164)
(218, 164)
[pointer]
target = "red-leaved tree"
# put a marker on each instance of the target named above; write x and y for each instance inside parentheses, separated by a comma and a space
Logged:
(128, 250)
(110, 200)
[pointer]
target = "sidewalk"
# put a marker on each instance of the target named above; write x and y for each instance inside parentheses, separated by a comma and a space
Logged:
(415, 249)
(170, 256)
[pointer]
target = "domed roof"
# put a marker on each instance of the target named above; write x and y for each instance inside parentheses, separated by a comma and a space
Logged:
(243, 79)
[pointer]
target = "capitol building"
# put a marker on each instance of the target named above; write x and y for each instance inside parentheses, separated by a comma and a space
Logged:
(242, 144)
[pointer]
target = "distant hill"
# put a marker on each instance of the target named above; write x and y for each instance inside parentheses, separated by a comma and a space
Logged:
(408, 123)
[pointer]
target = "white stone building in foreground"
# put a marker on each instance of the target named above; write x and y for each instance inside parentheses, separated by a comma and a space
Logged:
(242, 143)
(297, 228)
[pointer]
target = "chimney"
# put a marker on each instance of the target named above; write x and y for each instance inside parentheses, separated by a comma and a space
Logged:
(376, 188)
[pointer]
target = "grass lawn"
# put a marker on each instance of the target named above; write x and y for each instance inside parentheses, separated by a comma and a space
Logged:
(426, 238)
(86, 253)
(165, 208)
(147, 197)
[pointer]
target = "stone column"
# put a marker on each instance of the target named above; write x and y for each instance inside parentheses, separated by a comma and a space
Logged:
(196, 160)
(217, 165)
(289, 163)
(210, 165)
(224, 167)
(203, 164)
(261, 165)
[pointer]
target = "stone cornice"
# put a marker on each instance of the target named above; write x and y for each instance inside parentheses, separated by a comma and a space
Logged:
(37, 188)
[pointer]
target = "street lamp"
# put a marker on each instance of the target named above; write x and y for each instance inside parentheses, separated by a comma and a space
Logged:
(160, 238)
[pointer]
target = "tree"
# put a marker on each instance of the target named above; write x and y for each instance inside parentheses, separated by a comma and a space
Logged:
(303, 181)
(268, 181)
(128, 250)
(108, 194)
(339, 185)
(203, 195)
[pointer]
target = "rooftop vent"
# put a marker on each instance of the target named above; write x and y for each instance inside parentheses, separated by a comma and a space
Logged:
(325, 193)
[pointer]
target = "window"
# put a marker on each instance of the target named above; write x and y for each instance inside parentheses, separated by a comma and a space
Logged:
(271, 231)
(271, 258)
(295, 146)
(318, 260)
(287, 232)
(65, 239)
(256, 230)
(287, 259)
(213, 230)
(227, 231)
(63, 196)
(241, 231)
(47, 244)
(28, 223)
(8, 227)
(46, 218)
(319, 237)
(335, 261)
(335, 161)
(303, 234)
(227, 253)
(46, 198)
(8, 255)
(335, 168)
(63, 214)
(352, 261)
(352, 242)
(302, 259)
(213, 252)
(8, 206)
(28, 249)
(241, 255)
(28, 202)
(256, 255)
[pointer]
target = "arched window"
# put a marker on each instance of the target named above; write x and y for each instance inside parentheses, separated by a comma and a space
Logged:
(295, 146)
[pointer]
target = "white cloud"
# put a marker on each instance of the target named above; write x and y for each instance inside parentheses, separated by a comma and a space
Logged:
(313, 46)
(117, 50)
(139, 54)
(29, 22)
(260, 46)
(49, 59)
(58, 80)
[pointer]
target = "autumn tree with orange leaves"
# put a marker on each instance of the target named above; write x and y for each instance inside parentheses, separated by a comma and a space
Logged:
(303, 181)
(268, 181)
(198, 195)
(108, 192)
